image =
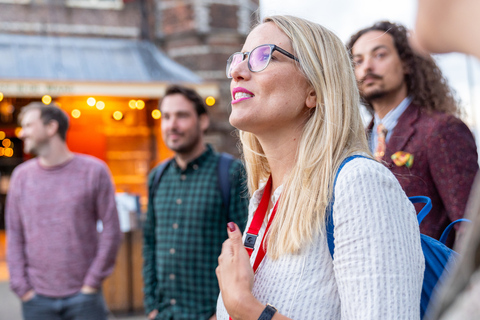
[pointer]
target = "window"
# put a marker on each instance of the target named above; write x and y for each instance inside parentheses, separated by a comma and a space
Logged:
(15, 1)
(95, 4)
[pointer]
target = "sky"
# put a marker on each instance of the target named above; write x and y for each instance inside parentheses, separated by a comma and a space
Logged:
(345, 17)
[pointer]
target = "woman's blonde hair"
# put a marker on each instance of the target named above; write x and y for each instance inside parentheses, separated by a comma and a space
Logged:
(333, 132)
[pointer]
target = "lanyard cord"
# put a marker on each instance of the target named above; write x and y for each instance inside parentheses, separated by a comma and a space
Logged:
(256, 224)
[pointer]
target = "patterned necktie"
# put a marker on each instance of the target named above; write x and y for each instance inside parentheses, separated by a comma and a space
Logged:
(381, 145)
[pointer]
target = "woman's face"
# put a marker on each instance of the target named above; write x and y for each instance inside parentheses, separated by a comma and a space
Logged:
(273, 100)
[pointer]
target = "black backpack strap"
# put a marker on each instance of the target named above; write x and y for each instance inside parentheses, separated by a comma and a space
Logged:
(159, 170)
(224, 184)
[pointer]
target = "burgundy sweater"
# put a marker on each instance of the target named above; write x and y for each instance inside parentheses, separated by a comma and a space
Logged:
(53, 246)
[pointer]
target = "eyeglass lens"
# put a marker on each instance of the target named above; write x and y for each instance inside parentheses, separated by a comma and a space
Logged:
(258, 59)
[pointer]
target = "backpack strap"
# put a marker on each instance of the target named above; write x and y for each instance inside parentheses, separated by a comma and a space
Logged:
(224, 183)
(160, 169)
(447, 230)
(329, 216)
(425, 210)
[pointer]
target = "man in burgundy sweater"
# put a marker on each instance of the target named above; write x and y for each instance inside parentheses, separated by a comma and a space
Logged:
(56, 257)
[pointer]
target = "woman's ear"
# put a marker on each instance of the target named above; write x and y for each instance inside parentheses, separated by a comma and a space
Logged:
(311, 101)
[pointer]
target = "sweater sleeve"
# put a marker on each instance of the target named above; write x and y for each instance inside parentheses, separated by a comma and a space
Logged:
(16, 257)
(110, 237)
(378, 260)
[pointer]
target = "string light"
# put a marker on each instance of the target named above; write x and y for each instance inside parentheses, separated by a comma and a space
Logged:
(8, 152)
(156, 114)
(2, 135)
(100, 105)
(76, 113)
(46, 99)
(210, 101)
(1, 96)
(6, 143)
(117, 115)
(91, 101)
(132, 104)
(140, 104)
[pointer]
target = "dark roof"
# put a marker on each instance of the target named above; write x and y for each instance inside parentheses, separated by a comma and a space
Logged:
(87, 59)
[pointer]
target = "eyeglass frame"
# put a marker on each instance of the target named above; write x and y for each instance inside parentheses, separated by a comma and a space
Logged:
(273, 48)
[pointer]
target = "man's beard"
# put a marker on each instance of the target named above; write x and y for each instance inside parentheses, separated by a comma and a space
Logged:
(374, 95)
(187, 147)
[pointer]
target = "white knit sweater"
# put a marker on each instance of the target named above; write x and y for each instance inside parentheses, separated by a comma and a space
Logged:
(378, 265)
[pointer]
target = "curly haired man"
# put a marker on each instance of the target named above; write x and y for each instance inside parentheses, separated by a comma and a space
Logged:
(415, 131)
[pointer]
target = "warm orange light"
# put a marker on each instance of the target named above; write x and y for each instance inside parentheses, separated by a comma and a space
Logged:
(6, 143)
(91, 101)
(17, 131)
(8, 152)
(1, 96)
(117, 115)
(100, 105)
(210, 101)
(2, 151)
(140, 104)
(46, 99)
(2, 135)
(76, 113)
(156, 114)
(132, 104)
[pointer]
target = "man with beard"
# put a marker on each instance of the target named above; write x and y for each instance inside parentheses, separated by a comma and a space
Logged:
(414, 131)
(187, 215)
(56, 257)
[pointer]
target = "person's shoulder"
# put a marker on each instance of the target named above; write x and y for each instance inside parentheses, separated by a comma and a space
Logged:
(24, 167)
(363, 169)
(89, 161)
(153, 171)
(435, 120)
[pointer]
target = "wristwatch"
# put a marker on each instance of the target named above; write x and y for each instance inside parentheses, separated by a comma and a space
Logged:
(268, 312)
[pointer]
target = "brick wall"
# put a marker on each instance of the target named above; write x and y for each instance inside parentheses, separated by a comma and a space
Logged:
(55, 18)
(182, 34)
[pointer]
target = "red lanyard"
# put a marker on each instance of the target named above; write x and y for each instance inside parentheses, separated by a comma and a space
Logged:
(256, 224)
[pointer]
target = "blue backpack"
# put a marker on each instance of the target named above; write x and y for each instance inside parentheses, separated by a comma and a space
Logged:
(437, 254)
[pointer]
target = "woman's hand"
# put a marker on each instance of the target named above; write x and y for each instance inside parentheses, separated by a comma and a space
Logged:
(235, 274)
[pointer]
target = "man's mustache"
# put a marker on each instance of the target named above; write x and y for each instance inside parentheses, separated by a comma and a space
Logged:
(174, 132)
(371, 76)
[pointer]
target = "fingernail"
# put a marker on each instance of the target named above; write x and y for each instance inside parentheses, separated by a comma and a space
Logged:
(231, 226)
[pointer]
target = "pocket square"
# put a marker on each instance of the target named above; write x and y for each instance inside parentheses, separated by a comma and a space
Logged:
(402, 158)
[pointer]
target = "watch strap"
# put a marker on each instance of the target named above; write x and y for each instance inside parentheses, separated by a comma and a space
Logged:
(268, 312)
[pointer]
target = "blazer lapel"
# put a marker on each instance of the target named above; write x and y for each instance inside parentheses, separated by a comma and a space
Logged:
(402, 132)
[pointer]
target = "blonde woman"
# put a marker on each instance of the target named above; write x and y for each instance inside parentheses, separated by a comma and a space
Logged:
(295, 102)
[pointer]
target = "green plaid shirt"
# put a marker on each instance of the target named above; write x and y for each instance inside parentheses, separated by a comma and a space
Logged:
(183, 237)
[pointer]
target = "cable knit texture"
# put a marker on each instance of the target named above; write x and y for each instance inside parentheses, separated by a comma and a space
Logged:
(378, 265)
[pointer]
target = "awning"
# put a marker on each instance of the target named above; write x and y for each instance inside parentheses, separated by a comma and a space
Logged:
(58, 66)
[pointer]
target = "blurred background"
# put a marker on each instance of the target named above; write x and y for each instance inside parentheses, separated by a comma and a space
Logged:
(107, 63)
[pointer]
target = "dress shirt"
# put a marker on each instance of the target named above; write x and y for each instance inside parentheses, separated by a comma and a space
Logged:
(389, 121)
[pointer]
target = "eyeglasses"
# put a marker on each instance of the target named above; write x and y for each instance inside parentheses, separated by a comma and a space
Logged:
(258, 58)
